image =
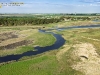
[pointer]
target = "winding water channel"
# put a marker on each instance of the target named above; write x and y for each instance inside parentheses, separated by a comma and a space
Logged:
(59, 42)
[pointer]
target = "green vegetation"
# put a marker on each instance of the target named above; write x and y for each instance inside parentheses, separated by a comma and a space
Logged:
(42, 39)
(41, 65)
(76, 36)
(42, 19)
(38, 39)
(48, 63)
(55, 62)
(16, 21)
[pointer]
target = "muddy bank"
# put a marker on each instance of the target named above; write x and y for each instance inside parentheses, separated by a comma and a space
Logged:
(60, 41)
(11, 40)
(7, 35)
(16, 44)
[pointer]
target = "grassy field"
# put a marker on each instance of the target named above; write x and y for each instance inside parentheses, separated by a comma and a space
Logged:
(38, 39)
(71, 23)
(56, 62)
(45, 64)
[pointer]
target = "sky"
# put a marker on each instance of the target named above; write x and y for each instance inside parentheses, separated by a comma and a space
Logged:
(51, 6)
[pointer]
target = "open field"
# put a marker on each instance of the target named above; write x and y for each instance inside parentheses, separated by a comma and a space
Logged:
(80, 55)
(80, 50)
(71, 23)
(16, 40)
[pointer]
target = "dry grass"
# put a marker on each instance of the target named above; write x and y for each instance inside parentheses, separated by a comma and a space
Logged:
(79, 55)
(9, 39)
(24, 35)
(82, 51)
(77, 23)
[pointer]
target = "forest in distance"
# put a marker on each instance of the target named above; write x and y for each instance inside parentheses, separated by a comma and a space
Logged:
(17, 20)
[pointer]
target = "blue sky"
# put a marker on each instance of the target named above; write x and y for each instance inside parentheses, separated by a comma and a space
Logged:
(52, 6)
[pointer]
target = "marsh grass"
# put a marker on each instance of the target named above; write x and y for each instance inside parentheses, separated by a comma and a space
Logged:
(42, 65)
(18, 50)
(47, 63)
(68, 60)
(33, 35)
(75, 37)
(42, 39)
(71, 23)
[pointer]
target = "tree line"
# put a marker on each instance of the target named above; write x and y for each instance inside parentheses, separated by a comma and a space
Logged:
(14, 21)
(74, 18)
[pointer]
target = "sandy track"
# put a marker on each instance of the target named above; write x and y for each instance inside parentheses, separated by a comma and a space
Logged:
(61, 52)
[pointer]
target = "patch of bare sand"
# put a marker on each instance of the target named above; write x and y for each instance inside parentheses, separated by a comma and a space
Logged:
(90, 61)
(90, 38)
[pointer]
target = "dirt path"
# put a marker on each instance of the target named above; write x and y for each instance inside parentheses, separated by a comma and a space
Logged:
(90, 61)
(62, 51)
